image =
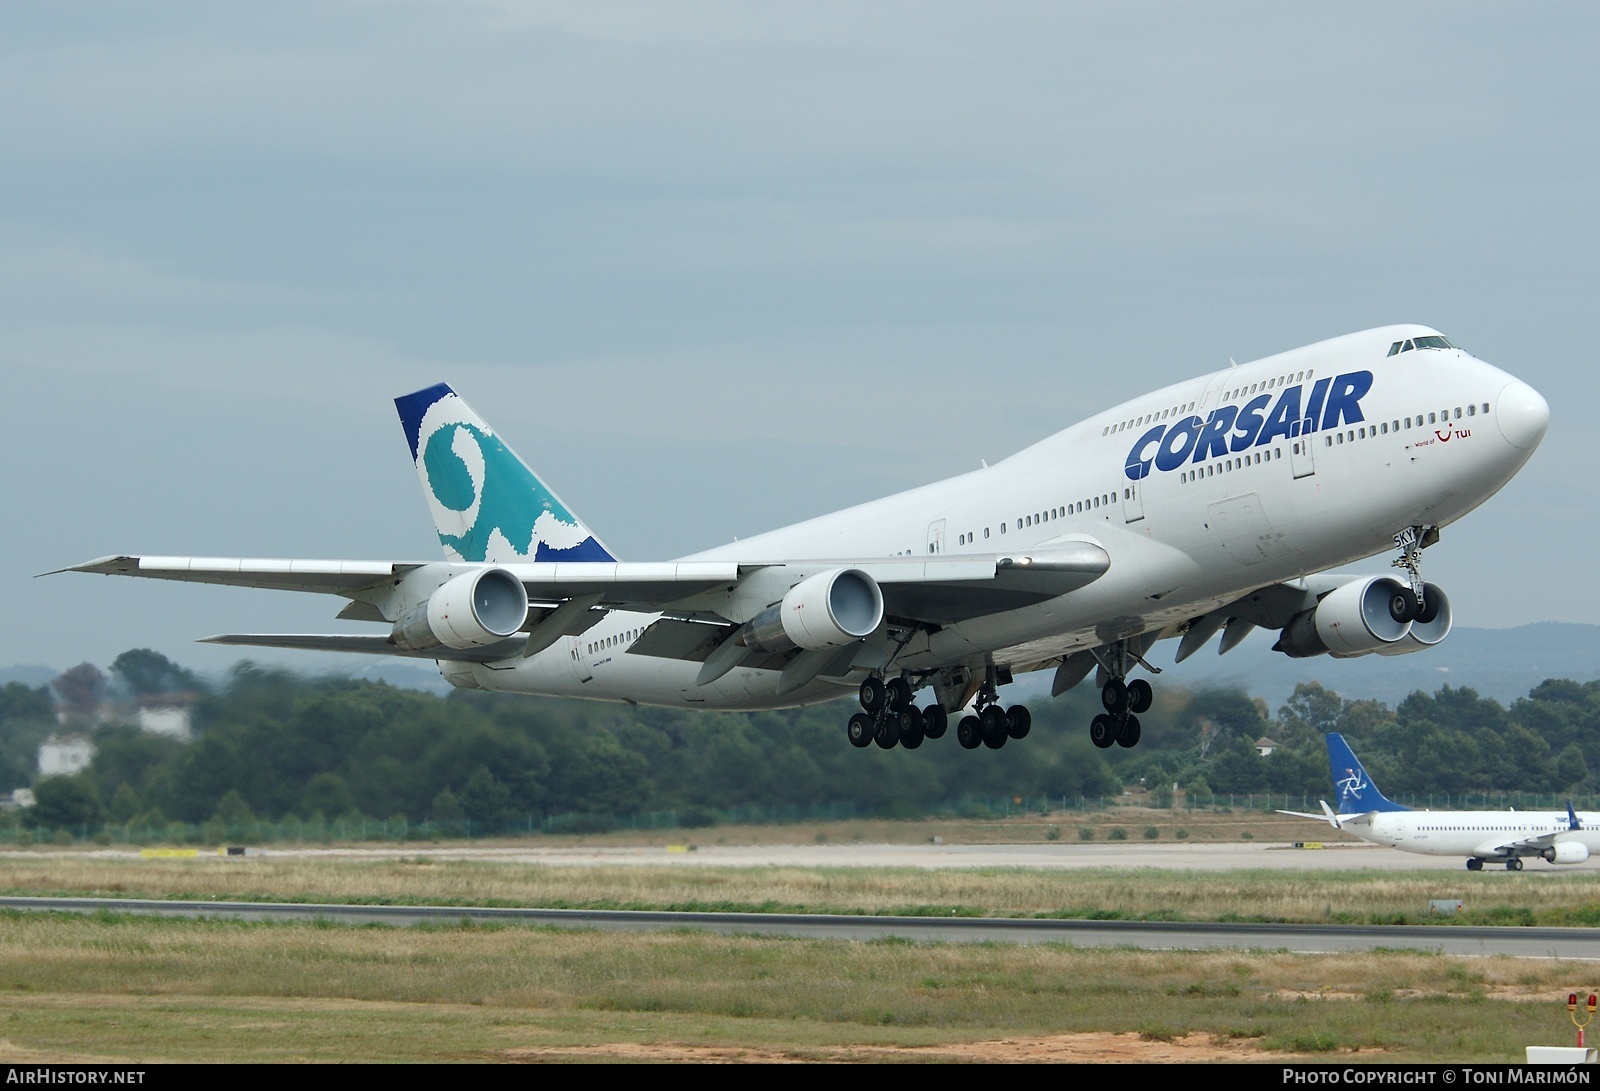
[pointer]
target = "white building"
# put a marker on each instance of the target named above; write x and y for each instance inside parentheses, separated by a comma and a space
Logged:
(63, 755)
(166, 714)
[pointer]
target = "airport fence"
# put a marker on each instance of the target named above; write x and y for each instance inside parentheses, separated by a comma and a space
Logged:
(357, 828)
(1431, 801)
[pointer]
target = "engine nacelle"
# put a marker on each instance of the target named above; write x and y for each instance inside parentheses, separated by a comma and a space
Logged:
(1567, 852)
(470, 611)
(1354, 619)
(1432, 626)
(828, 610)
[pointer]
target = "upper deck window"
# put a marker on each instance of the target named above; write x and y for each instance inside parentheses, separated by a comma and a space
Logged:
(1432, 341)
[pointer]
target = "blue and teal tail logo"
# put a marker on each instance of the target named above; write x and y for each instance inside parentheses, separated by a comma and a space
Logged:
(487, 505)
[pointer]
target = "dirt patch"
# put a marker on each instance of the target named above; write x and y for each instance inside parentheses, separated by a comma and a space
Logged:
(1101, 1048)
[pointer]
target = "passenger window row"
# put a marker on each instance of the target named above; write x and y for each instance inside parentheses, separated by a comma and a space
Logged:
(1228, 465)
(1077, 507)
(1270, 384)
(1148, 418)
(614, 641)
(1443, 416)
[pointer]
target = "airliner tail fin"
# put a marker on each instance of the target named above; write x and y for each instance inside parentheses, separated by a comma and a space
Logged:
(486, 503)
(1351, 783)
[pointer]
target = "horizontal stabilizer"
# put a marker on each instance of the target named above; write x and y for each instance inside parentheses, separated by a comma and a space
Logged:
(367, 645)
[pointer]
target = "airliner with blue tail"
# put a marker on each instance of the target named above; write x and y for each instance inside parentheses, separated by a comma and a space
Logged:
(1506, 837)
(1216, 505)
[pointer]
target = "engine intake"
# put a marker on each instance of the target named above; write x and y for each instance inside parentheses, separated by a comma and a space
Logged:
(828, 610)
(470, 611)
(1354, 619)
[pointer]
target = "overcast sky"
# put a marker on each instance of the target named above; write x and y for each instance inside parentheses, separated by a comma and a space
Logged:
(717, 267)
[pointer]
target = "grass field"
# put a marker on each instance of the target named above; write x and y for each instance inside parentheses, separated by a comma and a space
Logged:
(128, 988)
(1342, 897)
(123, 988)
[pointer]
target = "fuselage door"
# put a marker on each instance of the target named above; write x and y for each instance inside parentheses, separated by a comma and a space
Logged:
(936, 536)
(1301, 457)
(577, 655)
(1132, 501)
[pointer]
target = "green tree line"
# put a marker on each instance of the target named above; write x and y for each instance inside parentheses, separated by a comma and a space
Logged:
(271, 744)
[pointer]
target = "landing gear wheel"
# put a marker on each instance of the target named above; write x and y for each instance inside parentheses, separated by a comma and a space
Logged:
(1103, 731)
(1514, 864)
(1140, 696)
(934, 722)
(993, 719)
(911, 730)
(1474, 864)
(860, 730)
(898, 691)
(1114, 695)
(873, 695)
(1128, 734)
(888, 733)
(1429, 611)
(1019, 721)
(969, 733)
(1403, 605)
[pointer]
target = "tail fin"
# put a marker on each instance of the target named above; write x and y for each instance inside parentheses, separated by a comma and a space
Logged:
(487, 505)
(1357, 794)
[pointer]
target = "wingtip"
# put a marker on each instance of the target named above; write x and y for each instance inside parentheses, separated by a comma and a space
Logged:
(106, 566)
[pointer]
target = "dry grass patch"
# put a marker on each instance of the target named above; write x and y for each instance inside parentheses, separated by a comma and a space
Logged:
(1303, 897)
(127, 987)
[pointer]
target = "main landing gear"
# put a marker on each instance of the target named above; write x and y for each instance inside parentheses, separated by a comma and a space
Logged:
(1124, 701)
(889, 718)
(1475, 863)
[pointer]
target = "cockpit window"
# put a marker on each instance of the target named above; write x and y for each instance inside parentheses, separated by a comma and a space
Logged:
(1433, 341)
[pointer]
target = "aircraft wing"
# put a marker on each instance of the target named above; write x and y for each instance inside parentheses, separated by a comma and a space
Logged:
(1519, 845)
(327, 577)
(936, 590)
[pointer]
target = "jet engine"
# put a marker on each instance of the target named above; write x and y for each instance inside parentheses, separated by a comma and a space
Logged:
(470, 611)
(828, 610)
(1354, 619)
(1567, 852)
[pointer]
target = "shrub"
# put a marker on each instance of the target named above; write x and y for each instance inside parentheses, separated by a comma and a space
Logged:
(1085, 833)
(1151, 833)
(1118, 833)
(1052, 833)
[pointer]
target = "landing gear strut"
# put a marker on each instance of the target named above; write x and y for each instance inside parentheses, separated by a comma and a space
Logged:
(1411, 541)
(1124, 701)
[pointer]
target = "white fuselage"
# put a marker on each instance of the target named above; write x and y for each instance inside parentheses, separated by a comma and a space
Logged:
(1471, 833)
(1191, 519)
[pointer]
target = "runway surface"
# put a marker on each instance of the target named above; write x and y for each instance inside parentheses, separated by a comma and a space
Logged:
(1566, 943)
(1209, 856)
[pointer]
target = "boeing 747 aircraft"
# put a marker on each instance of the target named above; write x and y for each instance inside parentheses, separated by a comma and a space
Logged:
(1213, 505)
(1495, 836)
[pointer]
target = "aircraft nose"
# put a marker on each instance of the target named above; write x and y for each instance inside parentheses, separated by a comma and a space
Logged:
(1523, 415)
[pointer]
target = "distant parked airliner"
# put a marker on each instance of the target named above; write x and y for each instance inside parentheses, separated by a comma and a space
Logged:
(1496, 836)
(1213, 505)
